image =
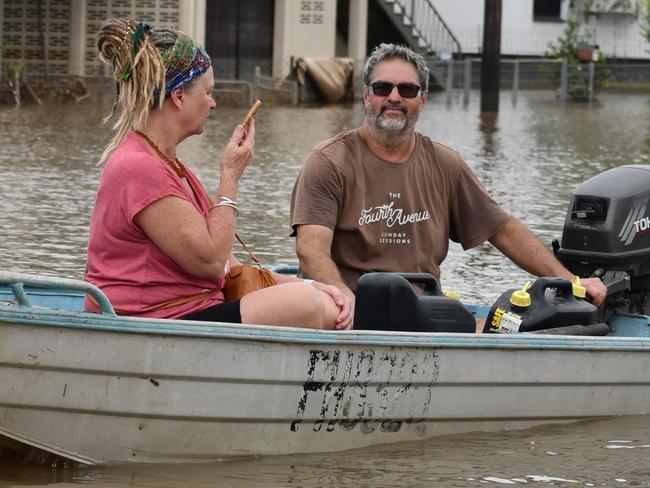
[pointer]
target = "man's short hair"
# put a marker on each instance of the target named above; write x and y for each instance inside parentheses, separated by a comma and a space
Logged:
(386, 52)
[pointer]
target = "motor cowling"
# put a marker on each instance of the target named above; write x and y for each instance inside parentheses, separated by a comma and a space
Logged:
(607, 234)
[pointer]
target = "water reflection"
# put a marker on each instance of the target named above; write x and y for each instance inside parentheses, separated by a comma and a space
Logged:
(488, 126)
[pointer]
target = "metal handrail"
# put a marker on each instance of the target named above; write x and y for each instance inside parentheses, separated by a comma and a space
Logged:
(429, 25)
(17, 281)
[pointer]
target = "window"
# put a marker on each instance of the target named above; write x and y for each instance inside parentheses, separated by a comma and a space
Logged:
(547, 10)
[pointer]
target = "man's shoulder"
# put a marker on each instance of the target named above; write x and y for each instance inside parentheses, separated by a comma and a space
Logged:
(438, 149)
(342, 141)
(335, 153)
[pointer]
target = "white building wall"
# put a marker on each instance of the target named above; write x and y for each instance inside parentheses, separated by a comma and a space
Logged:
(617, 35)
(302, 29)
(358, 33)
(78, 19)
(191, 19)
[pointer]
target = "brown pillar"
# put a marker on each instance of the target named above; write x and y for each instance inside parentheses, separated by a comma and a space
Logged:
(491, 56)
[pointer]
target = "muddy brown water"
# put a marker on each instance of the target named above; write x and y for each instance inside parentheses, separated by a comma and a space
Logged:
(530, 157)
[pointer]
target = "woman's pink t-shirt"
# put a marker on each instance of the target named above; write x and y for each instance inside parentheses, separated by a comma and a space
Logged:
(136, 276)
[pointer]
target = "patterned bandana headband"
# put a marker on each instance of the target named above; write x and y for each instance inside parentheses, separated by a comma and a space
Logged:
(183, 62)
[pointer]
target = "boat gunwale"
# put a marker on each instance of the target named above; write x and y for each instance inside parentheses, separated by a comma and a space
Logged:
(41, 316)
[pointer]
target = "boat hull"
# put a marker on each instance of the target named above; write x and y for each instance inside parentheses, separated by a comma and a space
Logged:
(101, 389)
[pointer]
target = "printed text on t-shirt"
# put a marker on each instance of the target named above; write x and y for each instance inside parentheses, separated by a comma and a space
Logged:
(391, 215)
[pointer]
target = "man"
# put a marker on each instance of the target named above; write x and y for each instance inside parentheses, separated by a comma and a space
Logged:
(386, 198)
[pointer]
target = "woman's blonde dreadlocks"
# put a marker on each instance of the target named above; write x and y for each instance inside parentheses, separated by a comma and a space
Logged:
(134, 50)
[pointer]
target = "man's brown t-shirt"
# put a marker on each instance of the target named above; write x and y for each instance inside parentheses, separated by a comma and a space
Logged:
(389, 216)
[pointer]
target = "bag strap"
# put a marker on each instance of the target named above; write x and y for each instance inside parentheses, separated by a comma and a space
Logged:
(164, 305)
(255, 259)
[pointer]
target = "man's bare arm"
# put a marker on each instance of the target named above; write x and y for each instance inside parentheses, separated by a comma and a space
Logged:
(314, 249)
(526, 251)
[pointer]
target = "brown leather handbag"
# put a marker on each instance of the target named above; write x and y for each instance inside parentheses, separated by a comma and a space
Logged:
(246, 278)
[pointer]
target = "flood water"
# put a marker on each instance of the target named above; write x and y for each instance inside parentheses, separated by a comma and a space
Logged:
(530, 158)
(609, 453)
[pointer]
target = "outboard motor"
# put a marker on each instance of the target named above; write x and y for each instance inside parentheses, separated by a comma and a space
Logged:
(607, 234)
(387, 301)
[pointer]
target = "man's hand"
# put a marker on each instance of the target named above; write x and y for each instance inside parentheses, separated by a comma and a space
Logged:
(343, 301)
(595, 289)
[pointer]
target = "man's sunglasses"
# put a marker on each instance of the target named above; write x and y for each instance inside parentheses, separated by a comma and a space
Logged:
(384, 88)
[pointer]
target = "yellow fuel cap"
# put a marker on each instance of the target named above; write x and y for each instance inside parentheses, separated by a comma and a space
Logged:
(452, 294)
(579, 291)
(521, 298)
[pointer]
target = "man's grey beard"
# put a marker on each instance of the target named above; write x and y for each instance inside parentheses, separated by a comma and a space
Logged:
(390, 126)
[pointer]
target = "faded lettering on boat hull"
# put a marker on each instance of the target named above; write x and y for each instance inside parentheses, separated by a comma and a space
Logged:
(343, 387)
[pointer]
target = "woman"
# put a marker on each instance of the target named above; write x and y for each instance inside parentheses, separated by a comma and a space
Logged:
(159, 246)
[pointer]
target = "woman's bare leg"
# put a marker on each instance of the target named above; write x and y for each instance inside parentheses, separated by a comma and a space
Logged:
(291, 304)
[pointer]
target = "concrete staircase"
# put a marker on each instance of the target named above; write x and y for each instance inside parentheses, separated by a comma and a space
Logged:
(426, 32)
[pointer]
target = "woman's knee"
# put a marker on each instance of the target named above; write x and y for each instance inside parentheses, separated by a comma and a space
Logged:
(314, 305)
(330, 310)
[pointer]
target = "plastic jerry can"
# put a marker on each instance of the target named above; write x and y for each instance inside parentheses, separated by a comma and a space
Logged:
(546, 304)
